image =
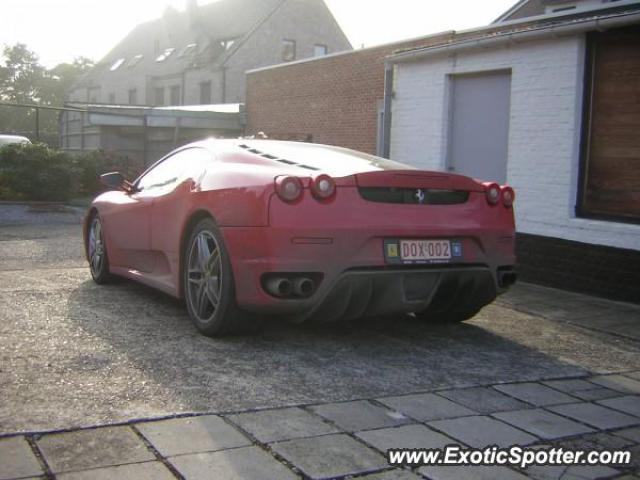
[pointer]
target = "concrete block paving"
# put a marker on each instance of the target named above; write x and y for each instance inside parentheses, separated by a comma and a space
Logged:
(340, 440)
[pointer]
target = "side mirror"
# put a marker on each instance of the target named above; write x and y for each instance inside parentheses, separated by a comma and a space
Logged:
(115, 181)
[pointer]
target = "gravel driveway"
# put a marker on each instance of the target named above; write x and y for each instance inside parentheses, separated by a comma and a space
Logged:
(75, 354)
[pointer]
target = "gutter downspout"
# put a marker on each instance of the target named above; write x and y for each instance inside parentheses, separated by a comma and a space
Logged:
(388, 102)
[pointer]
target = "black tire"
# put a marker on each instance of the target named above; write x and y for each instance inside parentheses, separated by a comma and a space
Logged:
(208, 285)
(97, 252)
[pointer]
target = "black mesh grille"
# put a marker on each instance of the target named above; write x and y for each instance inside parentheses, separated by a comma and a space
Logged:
(413, 196)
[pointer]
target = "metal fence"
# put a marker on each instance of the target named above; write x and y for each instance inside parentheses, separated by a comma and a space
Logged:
(36, 122)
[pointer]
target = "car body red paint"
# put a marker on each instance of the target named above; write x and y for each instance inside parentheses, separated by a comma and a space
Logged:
(341, 240)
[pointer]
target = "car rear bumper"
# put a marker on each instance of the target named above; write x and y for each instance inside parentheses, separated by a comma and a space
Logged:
(356, 280)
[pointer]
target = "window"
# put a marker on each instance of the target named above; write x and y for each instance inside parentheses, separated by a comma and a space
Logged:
(134, 61)
(170, 171)
(610, 153)
(159, 96)
(133, 96)
(112, 98)
(227, 44)
(288, 50)
(117, 64)
(188, 50)
(165, 54)
(174, 94)
(205, 93)
(319, 50)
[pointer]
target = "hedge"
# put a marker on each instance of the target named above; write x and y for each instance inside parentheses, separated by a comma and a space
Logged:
(37, 172)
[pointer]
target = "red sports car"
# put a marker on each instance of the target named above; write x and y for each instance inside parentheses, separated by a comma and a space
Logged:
(303, 231)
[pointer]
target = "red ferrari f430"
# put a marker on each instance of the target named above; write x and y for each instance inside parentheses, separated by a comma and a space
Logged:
(241, 229)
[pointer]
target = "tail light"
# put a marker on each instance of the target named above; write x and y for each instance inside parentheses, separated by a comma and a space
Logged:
(289, 189)
(508, 196)
(493, 193)
(323, 187)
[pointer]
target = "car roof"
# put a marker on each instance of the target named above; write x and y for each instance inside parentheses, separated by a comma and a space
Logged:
(302, 157)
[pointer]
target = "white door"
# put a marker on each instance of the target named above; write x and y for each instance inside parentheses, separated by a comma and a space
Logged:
(479, 132)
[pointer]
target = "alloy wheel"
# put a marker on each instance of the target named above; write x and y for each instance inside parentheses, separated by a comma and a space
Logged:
(204, 276)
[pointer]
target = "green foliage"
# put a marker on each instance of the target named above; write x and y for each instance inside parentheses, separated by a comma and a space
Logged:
(37, 172)
(23, 80)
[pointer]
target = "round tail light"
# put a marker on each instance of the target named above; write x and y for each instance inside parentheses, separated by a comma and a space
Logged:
(289, 189)
(323, 187)
(492, 191)
(508, 196)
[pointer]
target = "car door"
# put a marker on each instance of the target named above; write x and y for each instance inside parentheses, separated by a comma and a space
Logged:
(126, 224)
(132, 220)
(171, 202)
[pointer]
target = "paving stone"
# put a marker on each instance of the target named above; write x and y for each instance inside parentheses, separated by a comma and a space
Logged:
(483, 399)
(620, 383)
(17, 460)
(330, 456)
(134, 471)
(535, 393)
(570, 385)
(392, 475)
(426, 406)
(576, 472)
(593, 394)
(409, 436)
(87, 449)
(596, 441)
(192, 435)
(543, 424)
(282, 424)
(247, 463)
(629, 404)
(632, 433)
(360, 415)
(471, 472)
(596, 415)
(483, 431)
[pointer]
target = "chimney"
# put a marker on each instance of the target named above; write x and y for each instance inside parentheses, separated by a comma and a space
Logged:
(192, 11)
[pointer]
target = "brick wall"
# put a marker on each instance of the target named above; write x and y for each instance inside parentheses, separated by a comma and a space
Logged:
(605, 271)
(333, 100)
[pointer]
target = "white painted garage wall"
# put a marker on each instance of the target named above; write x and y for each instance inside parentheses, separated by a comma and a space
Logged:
(544, 135)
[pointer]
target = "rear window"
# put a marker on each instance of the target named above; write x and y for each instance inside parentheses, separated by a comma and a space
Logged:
(336, 160)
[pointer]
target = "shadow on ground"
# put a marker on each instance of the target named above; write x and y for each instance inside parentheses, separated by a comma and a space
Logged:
(125, 351)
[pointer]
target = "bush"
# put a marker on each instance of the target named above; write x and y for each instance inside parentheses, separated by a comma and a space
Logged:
(36, 172)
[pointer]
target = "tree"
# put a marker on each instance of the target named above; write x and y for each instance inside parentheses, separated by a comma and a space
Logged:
(23, 80)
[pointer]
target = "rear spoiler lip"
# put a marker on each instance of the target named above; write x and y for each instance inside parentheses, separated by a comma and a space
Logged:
(424, 179)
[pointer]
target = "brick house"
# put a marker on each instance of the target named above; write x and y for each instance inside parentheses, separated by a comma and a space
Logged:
(551, 107)
(200, 55)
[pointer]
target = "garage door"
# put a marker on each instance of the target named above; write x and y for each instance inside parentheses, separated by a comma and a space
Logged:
(479, 129)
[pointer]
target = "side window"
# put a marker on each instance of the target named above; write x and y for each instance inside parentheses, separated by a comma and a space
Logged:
(172, 170)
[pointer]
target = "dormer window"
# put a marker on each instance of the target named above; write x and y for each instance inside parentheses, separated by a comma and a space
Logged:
(165, 54)
(134, 61)
(188, 50)
(319, 50)
(288, 50)
(227, 44)
(117, 64)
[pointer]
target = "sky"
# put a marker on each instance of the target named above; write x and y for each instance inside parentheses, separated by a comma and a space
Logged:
(61, 30)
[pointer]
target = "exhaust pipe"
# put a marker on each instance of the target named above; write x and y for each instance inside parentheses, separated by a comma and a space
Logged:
(303, 287)
(506, 279)
(279, 287)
